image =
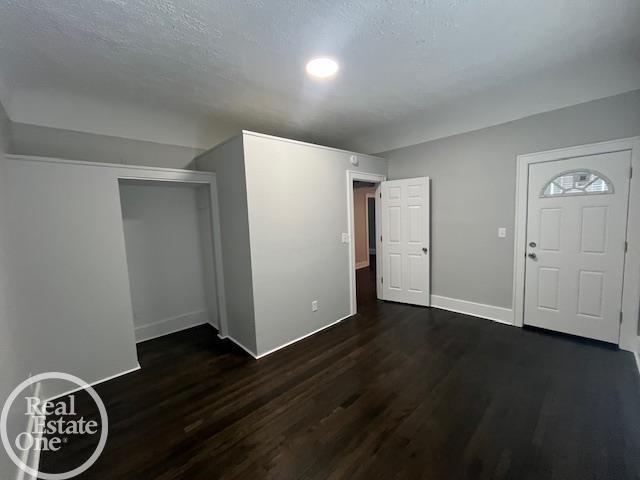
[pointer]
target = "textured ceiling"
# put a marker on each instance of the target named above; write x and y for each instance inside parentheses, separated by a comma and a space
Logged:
(244, 60)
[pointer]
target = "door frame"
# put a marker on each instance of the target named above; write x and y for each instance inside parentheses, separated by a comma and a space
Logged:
(628, 339)
(352, 176)
(168, 176)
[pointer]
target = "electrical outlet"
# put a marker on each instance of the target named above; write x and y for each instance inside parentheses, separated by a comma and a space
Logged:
(502, 232)
(345, 238)
(314, 306)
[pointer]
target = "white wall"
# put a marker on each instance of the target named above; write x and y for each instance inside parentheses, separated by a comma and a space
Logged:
(203, 205)
(166, 258)
(227, 160)
(473, 189)
(14, 336)
(58, 143)
(297, 202)
(68, 268)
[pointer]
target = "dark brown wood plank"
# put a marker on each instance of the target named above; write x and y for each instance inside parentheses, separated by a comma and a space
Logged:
(396, 392)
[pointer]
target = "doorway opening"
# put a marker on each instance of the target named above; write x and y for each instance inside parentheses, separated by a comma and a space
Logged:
(364, 240)
(364, 230)
(402, 238)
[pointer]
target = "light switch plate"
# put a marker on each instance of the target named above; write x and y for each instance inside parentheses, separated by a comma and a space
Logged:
(502, 232)
(314, 306)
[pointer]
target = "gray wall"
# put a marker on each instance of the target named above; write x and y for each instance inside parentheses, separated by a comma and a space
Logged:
(297, 198)
(53, 142)
(473, 189)
(227, 160)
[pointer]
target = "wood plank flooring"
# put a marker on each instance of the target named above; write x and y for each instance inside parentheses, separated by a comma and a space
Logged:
(396, 392)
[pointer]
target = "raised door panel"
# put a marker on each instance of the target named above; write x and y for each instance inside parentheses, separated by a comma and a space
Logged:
(593, 229)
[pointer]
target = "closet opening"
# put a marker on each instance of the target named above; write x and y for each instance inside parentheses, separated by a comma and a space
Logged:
(169, 244)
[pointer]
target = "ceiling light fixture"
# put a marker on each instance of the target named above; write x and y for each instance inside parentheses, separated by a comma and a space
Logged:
(322, 67)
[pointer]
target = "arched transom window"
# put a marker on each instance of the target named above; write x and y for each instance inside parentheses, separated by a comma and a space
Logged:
(577, 182)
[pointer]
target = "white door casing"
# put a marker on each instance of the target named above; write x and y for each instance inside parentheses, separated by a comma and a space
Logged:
(375, 178)
(406, 243)
(576, 249)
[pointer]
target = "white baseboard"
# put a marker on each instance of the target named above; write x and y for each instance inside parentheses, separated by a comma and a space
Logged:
(269, 352)
(35, 461)
(364, 264)
(97, 382)
(246, 349)
(31, 457)
(636, 354)
(166, 326)
(490, 312)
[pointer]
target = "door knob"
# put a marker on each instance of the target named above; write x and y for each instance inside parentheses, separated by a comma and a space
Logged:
(425, 249)
(532, 256)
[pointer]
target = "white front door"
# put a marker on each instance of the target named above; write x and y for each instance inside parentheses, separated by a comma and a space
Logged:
(405, 241)
(576, 231)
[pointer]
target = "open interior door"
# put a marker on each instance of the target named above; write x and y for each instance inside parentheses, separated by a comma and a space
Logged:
(405, 241)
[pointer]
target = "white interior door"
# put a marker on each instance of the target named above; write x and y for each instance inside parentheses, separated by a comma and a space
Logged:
(576, 232)
(406, 241)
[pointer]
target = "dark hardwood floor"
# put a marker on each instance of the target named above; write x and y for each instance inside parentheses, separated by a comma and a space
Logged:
(396, 392)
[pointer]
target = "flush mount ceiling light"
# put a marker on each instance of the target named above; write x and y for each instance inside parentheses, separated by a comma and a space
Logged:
(322, 67)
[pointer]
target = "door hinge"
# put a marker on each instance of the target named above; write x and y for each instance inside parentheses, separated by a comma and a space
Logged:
(630, 172)
(626, 246)
(620, 317)
(380, 195)
(381, 279)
